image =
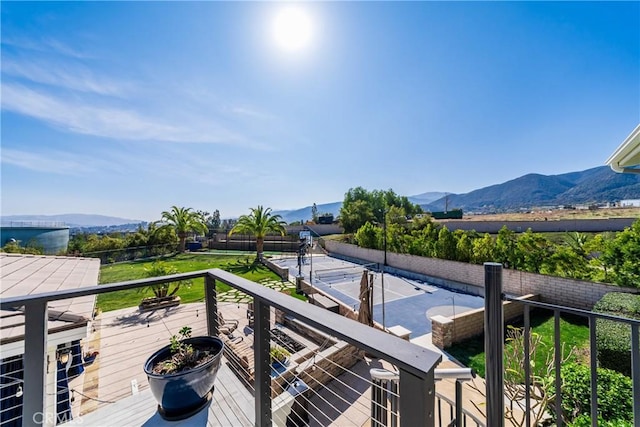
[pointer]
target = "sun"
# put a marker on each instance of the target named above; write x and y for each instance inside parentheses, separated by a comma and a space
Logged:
(292, 29)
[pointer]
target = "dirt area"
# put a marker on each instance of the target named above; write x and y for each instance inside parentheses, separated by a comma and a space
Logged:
(540, 215)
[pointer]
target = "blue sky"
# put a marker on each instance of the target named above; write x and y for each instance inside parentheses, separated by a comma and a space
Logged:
(128, 108)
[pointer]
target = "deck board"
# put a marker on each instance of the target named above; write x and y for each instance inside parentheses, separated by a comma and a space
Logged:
(232, 405)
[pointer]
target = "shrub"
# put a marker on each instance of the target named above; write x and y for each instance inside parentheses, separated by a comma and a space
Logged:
(613, 339)
(585, 421)
(162, 290)
(615, 394)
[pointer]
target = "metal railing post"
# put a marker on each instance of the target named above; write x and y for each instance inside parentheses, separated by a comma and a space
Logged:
(458, 403)
(493, 343)
(35, 363)
(417, 399)
(375, 401)
(211, 304)
(262, 364)
(394, 403)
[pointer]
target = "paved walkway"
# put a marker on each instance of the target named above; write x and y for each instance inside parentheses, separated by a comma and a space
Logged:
(234, 295)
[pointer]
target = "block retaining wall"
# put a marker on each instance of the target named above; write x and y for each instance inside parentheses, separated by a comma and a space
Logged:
(446, 331)
(283, 272)
(556, 290)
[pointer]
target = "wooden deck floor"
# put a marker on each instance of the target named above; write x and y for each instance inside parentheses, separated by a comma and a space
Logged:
(232, 405)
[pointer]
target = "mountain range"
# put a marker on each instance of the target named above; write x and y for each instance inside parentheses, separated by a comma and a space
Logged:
(596, 185)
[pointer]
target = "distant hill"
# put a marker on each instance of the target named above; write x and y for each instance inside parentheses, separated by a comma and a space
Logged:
(304, 214)
(72, 220)
(594, 185)
(424, 198)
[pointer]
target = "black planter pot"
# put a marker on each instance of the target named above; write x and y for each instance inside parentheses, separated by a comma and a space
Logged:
(182, 394)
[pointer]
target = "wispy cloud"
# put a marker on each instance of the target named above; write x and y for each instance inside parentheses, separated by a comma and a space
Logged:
(52, 82)
(110, 122)
(249, 112)
(47, 45)
(70, 76)
(51, 162)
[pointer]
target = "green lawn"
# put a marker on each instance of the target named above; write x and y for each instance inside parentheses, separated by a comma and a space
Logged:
(241, 265)
(574, 332)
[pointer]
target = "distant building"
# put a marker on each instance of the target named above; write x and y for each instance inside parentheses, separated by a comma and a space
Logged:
(51, 238)
(326, 218)
(630, 203)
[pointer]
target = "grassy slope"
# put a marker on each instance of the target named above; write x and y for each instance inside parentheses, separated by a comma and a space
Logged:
(240, 265)
(573, 332)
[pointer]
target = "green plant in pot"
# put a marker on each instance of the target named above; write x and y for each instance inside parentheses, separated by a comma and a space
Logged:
(182, 374)
(279, 356)
(165, 294)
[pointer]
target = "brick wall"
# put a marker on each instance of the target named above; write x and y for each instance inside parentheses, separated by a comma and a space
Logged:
(447, 331)
(470, 277)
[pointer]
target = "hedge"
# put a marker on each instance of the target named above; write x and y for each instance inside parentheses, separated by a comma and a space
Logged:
(613, 339)
(614, 390)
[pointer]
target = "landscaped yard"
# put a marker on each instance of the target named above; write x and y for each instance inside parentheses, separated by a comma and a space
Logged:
(574, 332)
(241, 265)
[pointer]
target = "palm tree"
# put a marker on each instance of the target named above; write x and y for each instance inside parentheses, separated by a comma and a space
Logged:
(183, 221)
(259, 223)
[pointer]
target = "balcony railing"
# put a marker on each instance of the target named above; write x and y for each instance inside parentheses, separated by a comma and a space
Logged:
(403, 392)
(494, 350)
(415, 365)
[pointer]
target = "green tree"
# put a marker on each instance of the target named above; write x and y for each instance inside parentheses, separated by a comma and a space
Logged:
(598, 266)
(423, 242)
(355, 215)
(314, 213)
(483, 249)
(622, 255)
(160, 236)
(97, 243)
(506, 249)
(464, 246)
(259, 223)
(137, 239)
(535, 250)
(567, 263)
(77, 243)
(211, 220)
(369, 236)
(360, 206)
(446, 244)
(183, 221)
(396, 215)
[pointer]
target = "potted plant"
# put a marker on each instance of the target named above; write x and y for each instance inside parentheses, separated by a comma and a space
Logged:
(164, 293)
(279, 357)
(182, 374)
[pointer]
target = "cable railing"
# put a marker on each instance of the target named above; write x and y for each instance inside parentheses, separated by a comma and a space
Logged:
(526, 392)
(325, 379)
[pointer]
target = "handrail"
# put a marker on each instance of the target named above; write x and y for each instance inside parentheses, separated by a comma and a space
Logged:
(410, 357)
(576, 311)
(416, 364)
(17, 301)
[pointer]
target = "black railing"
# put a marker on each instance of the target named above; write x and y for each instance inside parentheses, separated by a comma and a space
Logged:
(415, 364)
(494, 348)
